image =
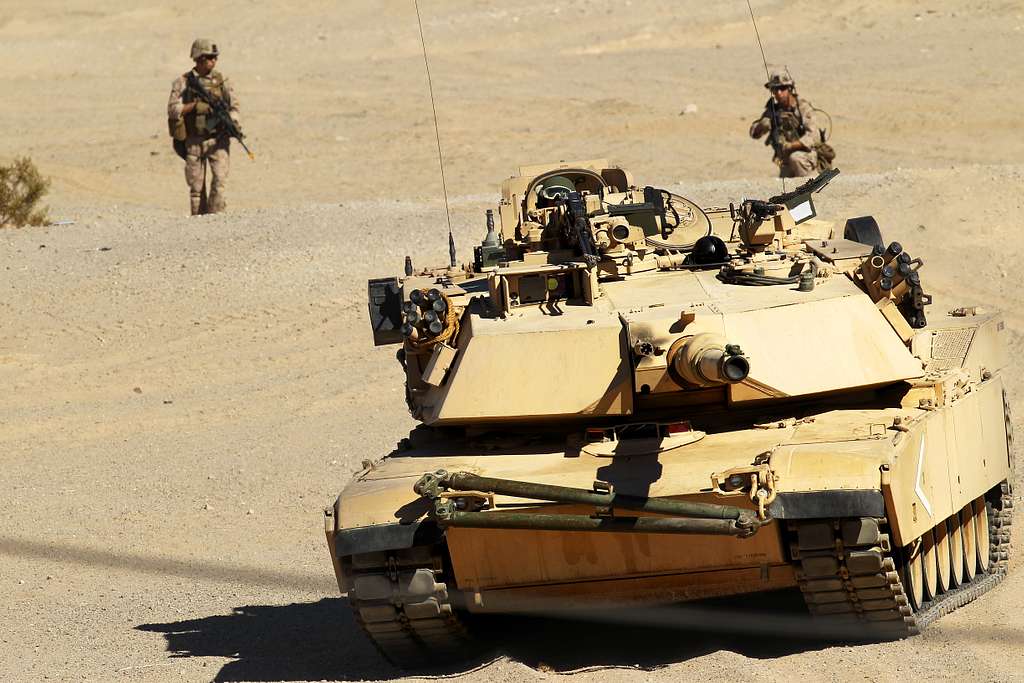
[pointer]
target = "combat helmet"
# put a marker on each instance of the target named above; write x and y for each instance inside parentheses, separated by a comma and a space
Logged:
(203, 46)
(779, 78)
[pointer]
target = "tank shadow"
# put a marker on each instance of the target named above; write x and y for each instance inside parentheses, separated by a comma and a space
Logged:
(760, 626)
(633, 475)
(320, 640)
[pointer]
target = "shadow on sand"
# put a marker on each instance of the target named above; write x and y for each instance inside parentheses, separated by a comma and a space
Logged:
(321, 640)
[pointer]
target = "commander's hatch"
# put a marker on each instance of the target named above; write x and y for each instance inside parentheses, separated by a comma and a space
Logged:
(518, 194)
(669, 221)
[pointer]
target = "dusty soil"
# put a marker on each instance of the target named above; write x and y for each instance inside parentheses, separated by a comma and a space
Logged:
(182, 396)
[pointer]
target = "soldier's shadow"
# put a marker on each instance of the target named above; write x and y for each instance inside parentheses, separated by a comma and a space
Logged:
(320, 640)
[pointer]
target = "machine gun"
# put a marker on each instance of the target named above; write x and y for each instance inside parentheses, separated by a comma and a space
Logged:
(576, 212)
(219, 110)
(815, 184)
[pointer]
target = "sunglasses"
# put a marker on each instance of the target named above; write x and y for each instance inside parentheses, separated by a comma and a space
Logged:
(212, 58)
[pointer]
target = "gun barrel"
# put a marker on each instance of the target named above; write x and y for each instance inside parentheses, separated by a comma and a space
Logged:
(706, 360)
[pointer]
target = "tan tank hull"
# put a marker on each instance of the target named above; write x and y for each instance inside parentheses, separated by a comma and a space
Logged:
(842, 463)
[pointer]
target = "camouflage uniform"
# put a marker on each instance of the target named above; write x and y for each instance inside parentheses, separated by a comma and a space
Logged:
(205, 142)
(796, 123)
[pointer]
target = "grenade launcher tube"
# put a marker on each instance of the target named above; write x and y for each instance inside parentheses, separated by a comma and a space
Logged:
(465, 481)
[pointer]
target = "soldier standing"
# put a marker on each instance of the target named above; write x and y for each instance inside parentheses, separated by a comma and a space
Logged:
(200, 137)
(797, 141)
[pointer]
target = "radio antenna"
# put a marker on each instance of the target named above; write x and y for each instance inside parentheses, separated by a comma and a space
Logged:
(437, 136)
(757, 34)
(767, 73)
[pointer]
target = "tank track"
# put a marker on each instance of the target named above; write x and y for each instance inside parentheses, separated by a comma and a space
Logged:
(851, 576)
(401, 602)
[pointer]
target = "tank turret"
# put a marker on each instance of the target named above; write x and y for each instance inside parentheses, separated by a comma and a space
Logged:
(593, 268)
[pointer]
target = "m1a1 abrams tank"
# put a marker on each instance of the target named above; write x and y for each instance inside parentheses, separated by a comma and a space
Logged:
(628, 398)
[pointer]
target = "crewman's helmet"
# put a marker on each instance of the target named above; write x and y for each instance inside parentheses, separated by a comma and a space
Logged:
(203, 46)
(554, 187)
(779, 78)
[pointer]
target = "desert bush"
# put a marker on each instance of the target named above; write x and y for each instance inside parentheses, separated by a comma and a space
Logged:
(21, 189)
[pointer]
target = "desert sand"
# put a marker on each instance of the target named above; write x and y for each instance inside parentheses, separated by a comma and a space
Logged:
(182, 396)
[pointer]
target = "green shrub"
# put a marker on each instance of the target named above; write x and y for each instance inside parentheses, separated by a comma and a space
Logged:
(21, 188)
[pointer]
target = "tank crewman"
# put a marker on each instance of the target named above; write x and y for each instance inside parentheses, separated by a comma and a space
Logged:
(796, 141)
(199, 136)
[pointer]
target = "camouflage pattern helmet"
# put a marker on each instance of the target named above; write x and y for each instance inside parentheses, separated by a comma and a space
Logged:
(203, 46)
(779, 78)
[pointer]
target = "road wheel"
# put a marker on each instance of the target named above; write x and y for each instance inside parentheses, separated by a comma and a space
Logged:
(967, 528)
(981, 533)
(928, 559)
(942, 556)
(956, 550)
(913, 574)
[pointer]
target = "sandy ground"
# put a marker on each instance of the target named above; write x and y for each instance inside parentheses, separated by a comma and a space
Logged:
(181, 396)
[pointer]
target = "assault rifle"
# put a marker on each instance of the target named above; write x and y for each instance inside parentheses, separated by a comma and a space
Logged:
(219, 110)
(775, 134)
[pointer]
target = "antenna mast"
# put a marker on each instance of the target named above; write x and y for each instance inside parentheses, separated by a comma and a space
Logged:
(767, 73)
(764, 59)
(437, 135)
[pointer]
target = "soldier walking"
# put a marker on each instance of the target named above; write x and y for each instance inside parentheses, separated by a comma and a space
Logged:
(797, 142)
(200, 137)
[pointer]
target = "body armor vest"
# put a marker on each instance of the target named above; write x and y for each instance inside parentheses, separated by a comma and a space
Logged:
(201, 125)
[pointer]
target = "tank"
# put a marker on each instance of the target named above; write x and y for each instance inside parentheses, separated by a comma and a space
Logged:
(629, 398)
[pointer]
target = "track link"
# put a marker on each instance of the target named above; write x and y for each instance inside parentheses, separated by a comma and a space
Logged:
(852, 578)
(401, 602)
